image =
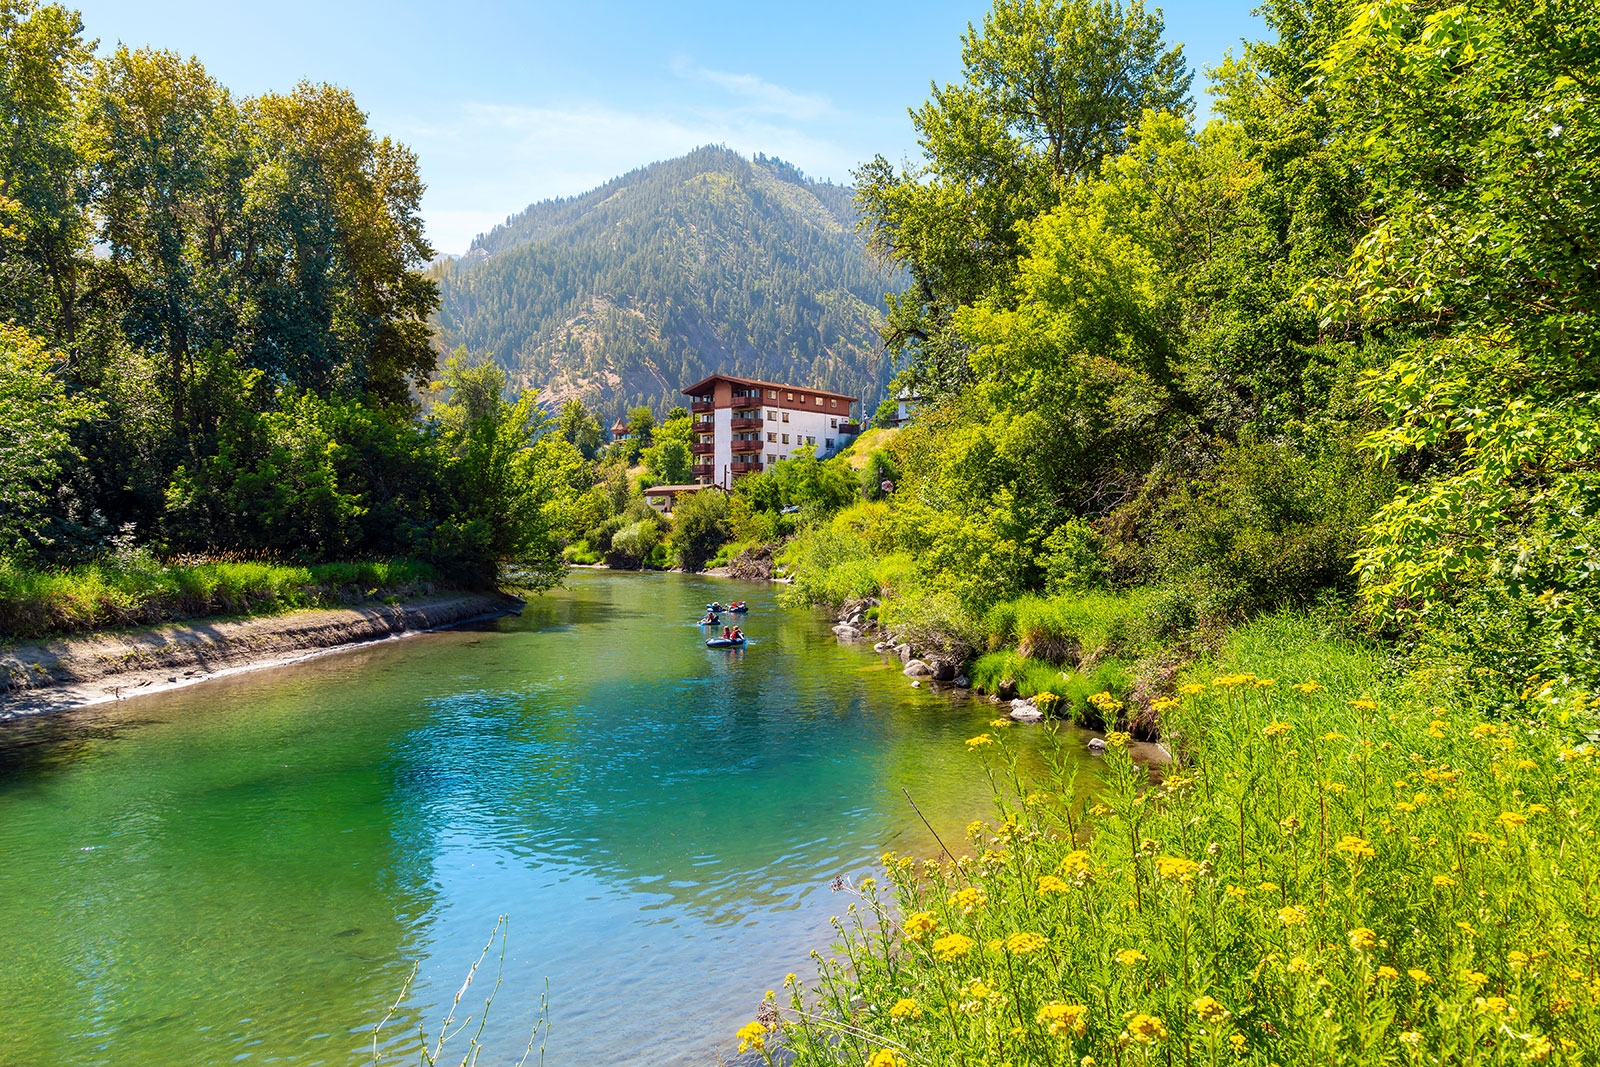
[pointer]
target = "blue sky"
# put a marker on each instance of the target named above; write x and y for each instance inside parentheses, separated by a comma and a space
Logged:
(508, 103)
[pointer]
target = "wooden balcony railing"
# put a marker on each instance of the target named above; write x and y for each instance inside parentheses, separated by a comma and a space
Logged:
(747, 446)
(745, 468)
(738, 425)
(700, 407)
(702, 448)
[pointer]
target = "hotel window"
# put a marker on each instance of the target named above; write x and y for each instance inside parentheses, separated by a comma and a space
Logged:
(772, 394)
(811, 440)
(772, 437)
(833, 403)
(772, 416)
(830, 444)
(785, 416)
(788, 396)
(785, 438)
(834, 423)
(769, 457)
(819, 401)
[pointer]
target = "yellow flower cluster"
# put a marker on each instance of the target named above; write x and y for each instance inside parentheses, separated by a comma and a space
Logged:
(952, 946)
(905, 1008)
(974, 743)
(919, 923)
(1020, 944)
(1146, 1028)
(1176, 868)
(752, 1035)
(1061, 1018)
(968, 900)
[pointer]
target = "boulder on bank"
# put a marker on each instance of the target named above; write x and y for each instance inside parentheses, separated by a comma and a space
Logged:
(1006, 689)
(846, 632)
(918, 669)
(1024, 711)
(904, 652)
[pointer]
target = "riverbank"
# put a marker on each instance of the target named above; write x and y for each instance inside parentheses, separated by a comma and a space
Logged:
(76, 671)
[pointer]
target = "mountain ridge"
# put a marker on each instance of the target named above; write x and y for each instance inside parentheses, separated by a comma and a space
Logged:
(710, 262)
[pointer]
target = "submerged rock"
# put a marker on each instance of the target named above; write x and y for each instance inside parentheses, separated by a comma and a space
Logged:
(962, 682)
(1097, 745)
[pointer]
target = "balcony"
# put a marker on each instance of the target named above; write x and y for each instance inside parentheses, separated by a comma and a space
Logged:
(849, 428)
(702, 448)
(748, 446)
(700, 407)
(745, 468)
(701, 470)
(738, 425)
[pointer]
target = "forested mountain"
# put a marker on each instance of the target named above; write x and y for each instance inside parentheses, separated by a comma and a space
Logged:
(710, 262)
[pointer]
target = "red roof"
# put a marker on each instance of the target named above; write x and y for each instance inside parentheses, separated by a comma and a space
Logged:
(697, 387)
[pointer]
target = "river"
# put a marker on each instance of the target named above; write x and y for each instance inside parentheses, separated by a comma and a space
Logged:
(245, 870)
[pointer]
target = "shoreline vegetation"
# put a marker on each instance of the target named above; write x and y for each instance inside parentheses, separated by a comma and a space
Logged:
(83, 669)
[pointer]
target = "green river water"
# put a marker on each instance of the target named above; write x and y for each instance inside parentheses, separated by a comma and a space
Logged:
(244, 871)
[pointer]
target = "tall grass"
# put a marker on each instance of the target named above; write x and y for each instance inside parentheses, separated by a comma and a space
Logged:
(1333, 875)
(138, 591)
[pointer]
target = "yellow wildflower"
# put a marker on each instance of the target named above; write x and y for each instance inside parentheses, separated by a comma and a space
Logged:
(1418, 976)
(1410, 1037)
(1062, 1018)
(1354, 847)
(1473, 978)
(1517, 960)
(967, 900)
(919, 923)
(1298, 965)
(1176, 868)
(1362, 705)
(1238, 892)
(904, 1007)
(1274, 729)
(1118, 738)
(1237, 1041)
(1363, 938)
(1491, 1005)
(1307, 687)
(1075, 862)
(1387, 973)
(885, 1058)
(952, 946)
(1192, 689)
(1292, 916)
(1163, 704)
(1510, 819)
(1443, 881)
(1208, 1009)
(1146, 1028)
(752, 1035)
(974, 743)
(1020, 944)
(1130, 956)
(1051, 884)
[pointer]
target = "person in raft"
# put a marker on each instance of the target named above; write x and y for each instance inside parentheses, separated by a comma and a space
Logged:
(710, 619)
(727, 634)
(738, 634)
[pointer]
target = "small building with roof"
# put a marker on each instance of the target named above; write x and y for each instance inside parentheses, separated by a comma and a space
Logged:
(744, 425)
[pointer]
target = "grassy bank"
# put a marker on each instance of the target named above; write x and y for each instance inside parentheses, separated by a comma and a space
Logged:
(141, 591)
(1335, 874)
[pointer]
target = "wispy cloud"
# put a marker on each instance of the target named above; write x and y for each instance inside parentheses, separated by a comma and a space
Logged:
(756, 94)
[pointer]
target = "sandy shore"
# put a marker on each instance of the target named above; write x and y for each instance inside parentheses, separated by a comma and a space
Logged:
(73, 672)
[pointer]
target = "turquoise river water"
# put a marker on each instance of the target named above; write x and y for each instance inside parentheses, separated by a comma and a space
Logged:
(245, 871)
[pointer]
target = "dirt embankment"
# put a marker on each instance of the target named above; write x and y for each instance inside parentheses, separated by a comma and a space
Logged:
(72, 672)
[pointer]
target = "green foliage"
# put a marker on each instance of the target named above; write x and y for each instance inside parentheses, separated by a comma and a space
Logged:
(36, 413)
(700, 526)
(879, 470)
(1332, 876)
(634, 543)
(132, 588)
(1268, 526)
(1048, 90)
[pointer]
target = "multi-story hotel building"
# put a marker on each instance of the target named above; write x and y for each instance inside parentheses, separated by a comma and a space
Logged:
(743, 425)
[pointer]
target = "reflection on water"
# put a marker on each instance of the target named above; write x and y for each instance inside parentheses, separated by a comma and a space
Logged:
(245, 870)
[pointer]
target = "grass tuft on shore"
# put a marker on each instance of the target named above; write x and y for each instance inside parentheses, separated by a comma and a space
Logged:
(1334, 874)
(139, 591)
